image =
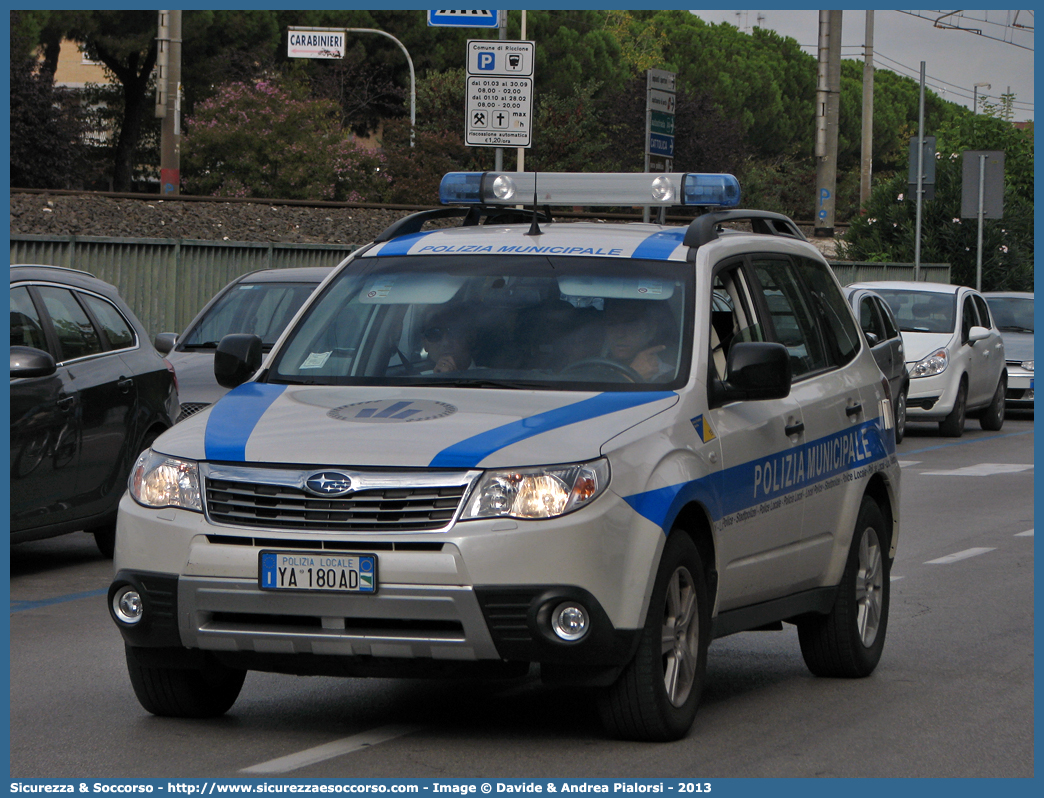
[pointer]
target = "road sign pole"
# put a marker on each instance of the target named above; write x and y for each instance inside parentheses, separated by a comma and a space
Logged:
(982, 213)
(498, 157)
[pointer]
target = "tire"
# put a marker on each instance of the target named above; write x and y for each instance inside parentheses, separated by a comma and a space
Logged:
(656, 696)
(993, 417)
(849, 640)
(185, 692)
(105, 536)
(953, 425)
(900, 416)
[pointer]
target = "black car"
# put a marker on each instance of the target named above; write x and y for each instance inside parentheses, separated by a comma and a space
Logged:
(882, 333)
(261, 303)
(88, 394)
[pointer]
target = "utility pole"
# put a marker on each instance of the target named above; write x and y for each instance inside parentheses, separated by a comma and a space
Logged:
(920, 180)
(828, 103)
(498, 153)
(975, 96)
(168, 100)
(868, 112)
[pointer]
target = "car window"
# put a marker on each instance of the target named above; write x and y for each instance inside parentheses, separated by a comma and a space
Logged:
(831, 311)
(77, 336)
(26, 329)
(791, 314)
(263, 309)
(887, 320)
(968, 317)
(117, 331)
(984, 311)
(921, 311)
(732, 317)
(549, 322)
(870, 319)
(1012, 314)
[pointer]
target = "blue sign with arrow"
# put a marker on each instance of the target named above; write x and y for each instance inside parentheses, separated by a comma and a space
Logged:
(464, 19)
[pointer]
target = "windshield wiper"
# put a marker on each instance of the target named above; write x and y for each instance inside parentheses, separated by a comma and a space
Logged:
(205, 345)
(516, 385)
(1016, 328)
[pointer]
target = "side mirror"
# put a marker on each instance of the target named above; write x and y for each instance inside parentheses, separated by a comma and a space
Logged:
(977, 333)
(29, 362)
(237, 358)
(872, 339)
(164, 342)
(757, 370)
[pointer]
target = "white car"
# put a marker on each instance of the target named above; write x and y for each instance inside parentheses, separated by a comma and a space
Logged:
(1013, 314)
(954, 353)
(595, 447)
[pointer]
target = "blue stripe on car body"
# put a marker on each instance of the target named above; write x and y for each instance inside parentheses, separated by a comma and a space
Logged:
(234, 417)
(659, 246)
(472, 451)
(755, 482)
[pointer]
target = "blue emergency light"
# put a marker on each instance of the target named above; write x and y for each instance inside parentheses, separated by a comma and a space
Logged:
(581, 188)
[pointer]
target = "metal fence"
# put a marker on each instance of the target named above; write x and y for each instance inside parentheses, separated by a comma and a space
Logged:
(166, 281)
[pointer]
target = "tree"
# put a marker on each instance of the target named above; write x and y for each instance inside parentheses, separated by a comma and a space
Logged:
(267, 139)
(46, 124)
(886, 232)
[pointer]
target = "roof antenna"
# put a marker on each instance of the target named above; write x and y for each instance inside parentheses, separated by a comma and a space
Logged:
(534, 228)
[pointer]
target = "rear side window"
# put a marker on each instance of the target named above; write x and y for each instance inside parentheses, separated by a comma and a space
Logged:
(791, 313)
(26, 329)
(77, 336)
(870, 320)
(117, 331)
(831, 310)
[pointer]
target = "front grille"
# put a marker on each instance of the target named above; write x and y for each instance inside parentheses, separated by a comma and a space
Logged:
(191, 408)
(255, 504)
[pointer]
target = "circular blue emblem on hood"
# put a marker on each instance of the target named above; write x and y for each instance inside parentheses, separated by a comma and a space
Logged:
(329, 483)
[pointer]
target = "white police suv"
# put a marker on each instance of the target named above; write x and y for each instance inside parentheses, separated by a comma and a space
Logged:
(595, 447)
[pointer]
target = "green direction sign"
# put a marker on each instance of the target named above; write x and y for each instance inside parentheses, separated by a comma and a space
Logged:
(662, 123)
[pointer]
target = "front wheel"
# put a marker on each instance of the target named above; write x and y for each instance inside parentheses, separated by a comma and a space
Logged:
(656, 696)
(204, 692)
(848, 641)
(900, 416)
(993, 418)
(953, 425)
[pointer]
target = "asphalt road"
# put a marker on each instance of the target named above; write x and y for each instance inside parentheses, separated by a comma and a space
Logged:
(952, 697)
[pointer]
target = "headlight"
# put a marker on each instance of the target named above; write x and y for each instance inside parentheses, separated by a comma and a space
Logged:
(161, 481)
(544, 492)
(1028, 365)
(934, 364)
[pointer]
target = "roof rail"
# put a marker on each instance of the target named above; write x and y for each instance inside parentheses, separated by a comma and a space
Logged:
(51, 266)
(472, 216)
(704, 229)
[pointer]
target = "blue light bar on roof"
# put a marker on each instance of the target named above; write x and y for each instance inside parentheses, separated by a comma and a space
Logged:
(583, 188)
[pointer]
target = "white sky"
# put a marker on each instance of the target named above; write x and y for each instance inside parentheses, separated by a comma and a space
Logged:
(955, 60)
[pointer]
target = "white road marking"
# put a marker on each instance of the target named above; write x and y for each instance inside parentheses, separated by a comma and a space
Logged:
(1027, 534)
(894, 578)
(982, 470)
(340, 747)
(960, 555)
(905, 463)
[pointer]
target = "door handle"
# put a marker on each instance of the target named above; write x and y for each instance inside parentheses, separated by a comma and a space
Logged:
(66, 403)
(794, 429)
(125, 384)
(854, 410)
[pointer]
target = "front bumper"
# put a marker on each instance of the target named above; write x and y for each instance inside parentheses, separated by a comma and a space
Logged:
(1020, 386)
(932, 398)
(481, 592)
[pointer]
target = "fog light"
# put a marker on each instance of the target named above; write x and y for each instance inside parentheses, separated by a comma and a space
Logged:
(569, 621)
(127, 605)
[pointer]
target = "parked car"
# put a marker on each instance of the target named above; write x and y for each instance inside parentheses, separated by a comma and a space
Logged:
(886, 342)
(1013, 314)
(595, 447)
(954, 353)
(260, 303)
(88, 394)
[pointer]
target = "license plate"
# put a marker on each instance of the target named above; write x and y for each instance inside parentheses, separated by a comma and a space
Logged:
(317, 571)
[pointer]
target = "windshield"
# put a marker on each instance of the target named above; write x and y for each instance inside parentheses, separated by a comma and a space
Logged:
(1012, 314)
(263, 309)
(480, 321)
(921, 311)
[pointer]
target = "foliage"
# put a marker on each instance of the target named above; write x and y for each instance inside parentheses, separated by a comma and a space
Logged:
(887, 231)
(269, 140)
(46, 124)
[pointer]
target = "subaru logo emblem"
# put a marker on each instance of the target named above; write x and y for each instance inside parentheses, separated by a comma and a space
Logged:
(328, 483)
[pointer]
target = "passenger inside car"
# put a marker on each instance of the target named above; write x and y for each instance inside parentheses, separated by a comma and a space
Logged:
(637, 334)
(450, 339)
